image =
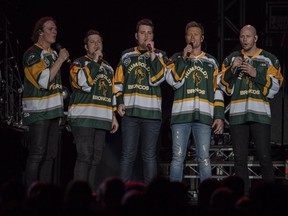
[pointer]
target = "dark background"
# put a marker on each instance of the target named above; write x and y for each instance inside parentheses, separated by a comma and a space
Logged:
(116, 21)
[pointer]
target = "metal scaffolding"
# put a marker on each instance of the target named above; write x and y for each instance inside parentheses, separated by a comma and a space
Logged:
(231, 16)
(11, 87)
(222, 165)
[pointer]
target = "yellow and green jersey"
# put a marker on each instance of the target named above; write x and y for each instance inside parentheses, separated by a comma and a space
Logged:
(42, 99)
(137, 82)
(250, 95)
(92, 101)
(196, 96)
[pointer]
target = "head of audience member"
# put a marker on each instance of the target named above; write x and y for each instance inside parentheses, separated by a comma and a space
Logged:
(110, 193)
(78, 198)
(205, 190)
(235, 183)
(222, 202)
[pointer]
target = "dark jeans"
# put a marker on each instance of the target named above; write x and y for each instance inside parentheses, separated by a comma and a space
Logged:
(90, 143)
(139, 132)
(260, 135)
(43, 148)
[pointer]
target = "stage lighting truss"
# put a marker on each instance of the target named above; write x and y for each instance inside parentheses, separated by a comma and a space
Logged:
(11, 87)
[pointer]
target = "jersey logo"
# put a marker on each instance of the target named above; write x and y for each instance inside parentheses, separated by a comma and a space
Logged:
(32, 60)
(139, 75)
(103, 87)
(249, 81)
(127, 61)
(197, 79)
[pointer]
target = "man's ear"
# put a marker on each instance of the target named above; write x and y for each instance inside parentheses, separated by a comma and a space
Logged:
(136, 37)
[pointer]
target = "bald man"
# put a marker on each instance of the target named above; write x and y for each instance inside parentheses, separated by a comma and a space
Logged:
(251, 77)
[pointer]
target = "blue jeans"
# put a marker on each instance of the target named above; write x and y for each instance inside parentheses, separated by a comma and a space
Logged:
(139, 132)
(90, 144)
(180, 137)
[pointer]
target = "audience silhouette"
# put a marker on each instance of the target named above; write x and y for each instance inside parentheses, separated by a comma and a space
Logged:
(113, 197)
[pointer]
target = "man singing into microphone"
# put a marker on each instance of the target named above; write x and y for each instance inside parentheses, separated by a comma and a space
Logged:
(251, 89)
(42, 100)
(198, 105)
(92, 105)
(140, 72)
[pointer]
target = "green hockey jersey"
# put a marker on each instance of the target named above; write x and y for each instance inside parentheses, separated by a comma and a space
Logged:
(92, 101)
(42, 99)
(250, 95)
(137, 83)
(196, 96)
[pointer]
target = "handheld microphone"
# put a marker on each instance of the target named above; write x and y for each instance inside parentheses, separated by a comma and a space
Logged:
(149, 47)
(59, 47)
(100, 60)
(234, 71)
(188, 53)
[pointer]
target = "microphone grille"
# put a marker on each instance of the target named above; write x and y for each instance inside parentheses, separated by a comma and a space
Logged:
(58, 46)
